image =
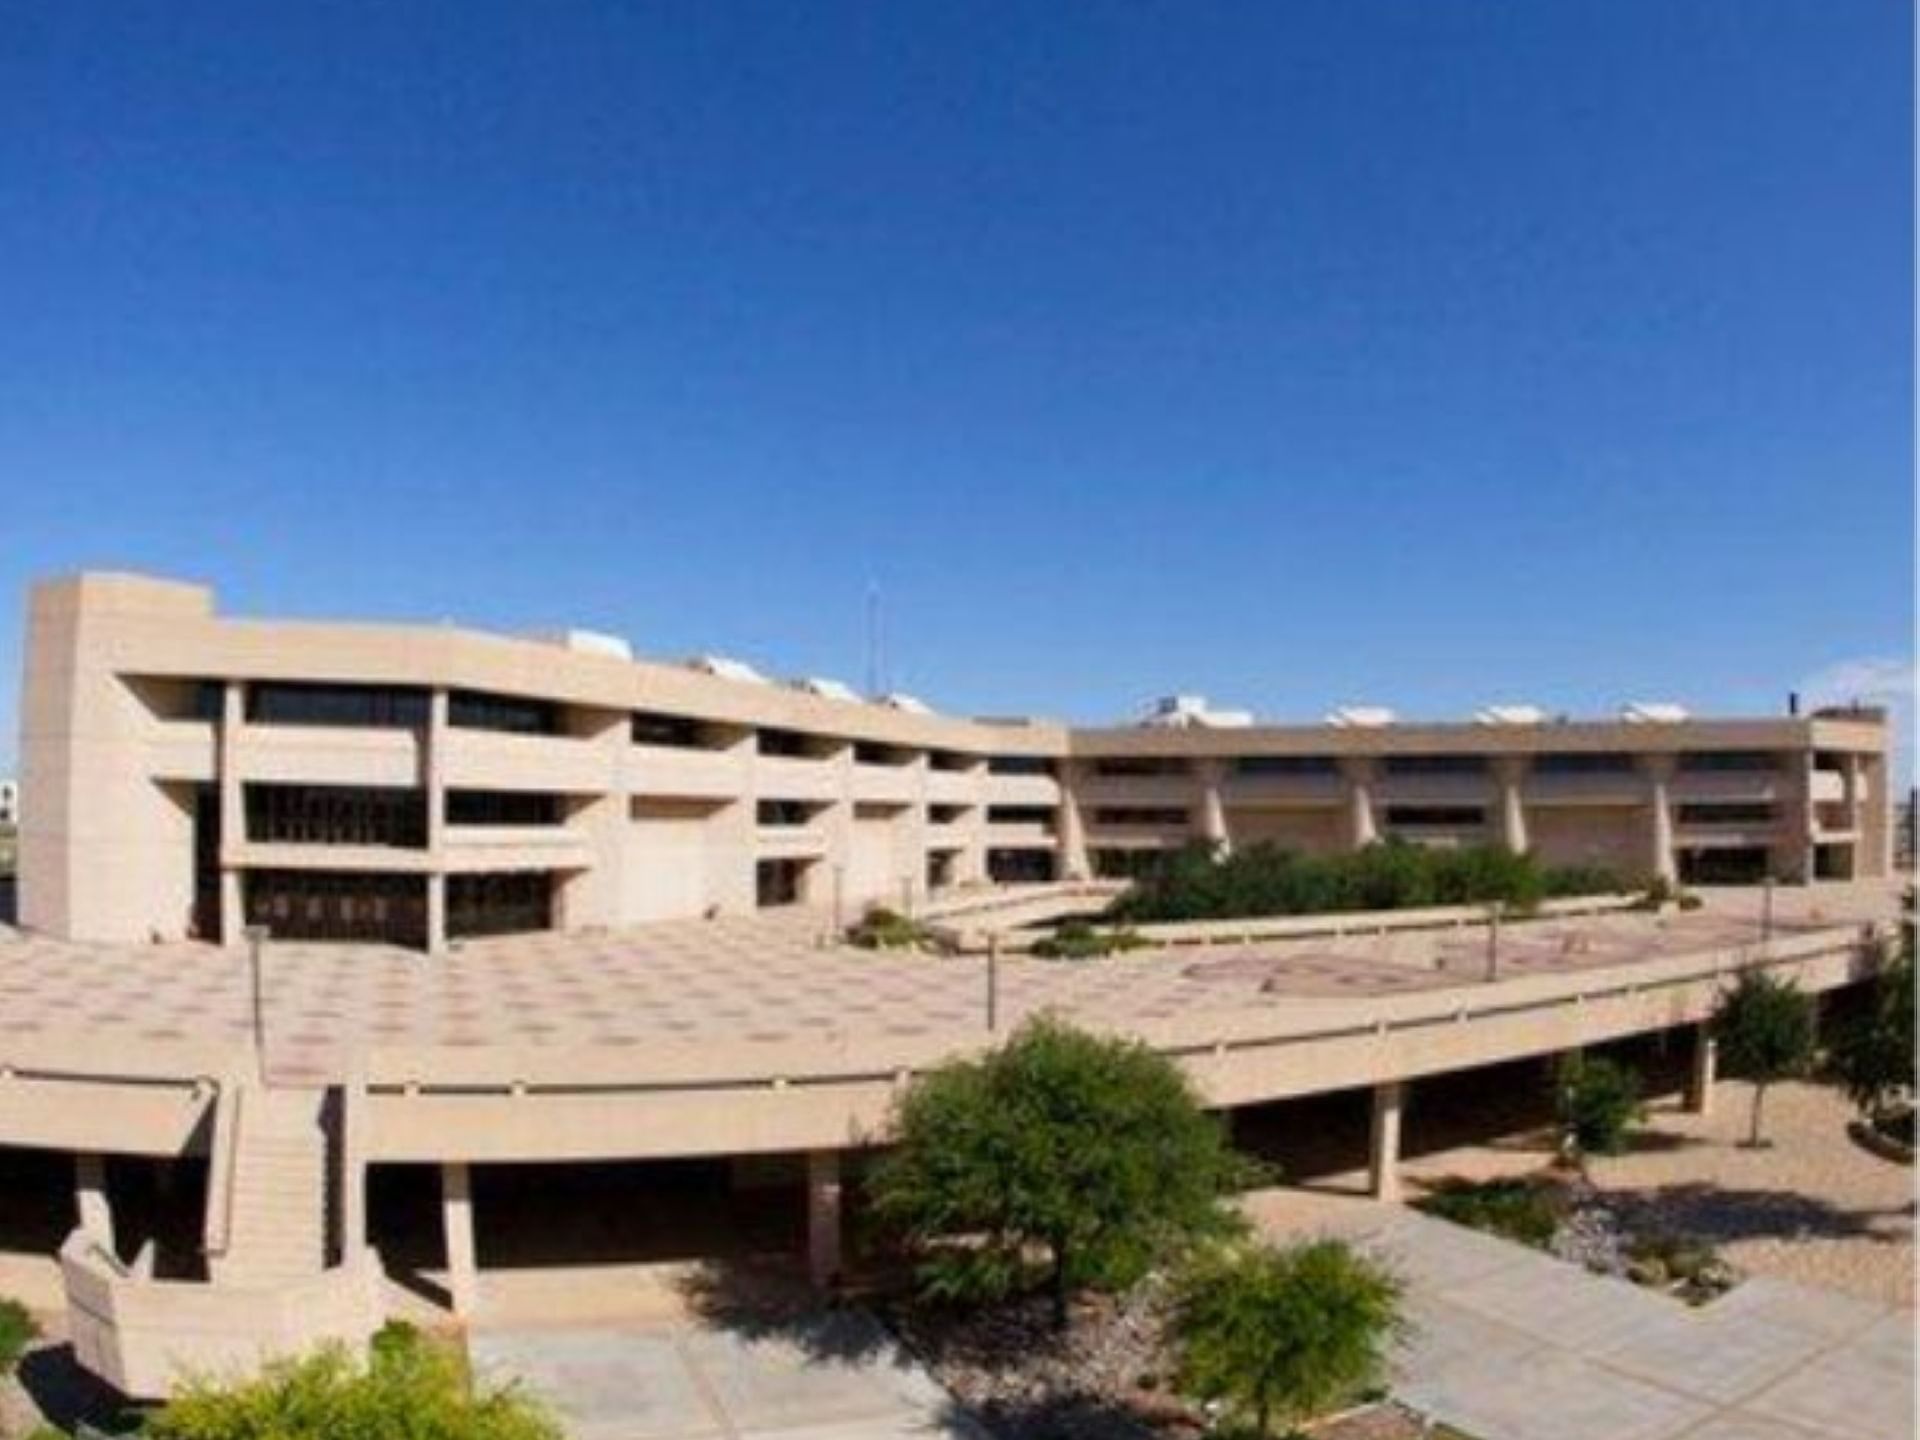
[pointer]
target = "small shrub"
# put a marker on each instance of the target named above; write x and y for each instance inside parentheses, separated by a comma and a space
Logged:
(1522, 1210)
(1597, 1104)
(17, 1331)
(884, 929)
(1284, 1334)
(1078, 940)
(407, 1388)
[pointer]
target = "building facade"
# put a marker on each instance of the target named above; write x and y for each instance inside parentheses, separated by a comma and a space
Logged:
(186, 773)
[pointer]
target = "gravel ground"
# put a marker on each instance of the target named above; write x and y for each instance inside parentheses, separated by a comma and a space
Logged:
(1813, 1207)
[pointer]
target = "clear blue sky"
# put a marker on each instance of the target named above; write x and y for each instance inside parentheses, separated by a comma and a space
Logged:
(1417, 352)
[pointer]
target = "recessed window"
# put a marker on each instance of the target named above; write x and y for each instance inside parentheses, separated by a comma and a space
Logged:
(1722, 761)
(1123, 765)
(1725, 812)
(1140, 815)
(1019, 765)
(1019, 814)
(1447, 816)
(336, 815)
(1583, 762)
(1435, 765)
(474, 710)
(1286, 765)
(280, 702)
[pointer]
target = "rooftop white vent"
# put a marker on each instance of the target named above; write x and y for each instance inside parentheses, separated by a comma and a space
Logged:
(1191, 712)
(1653, 713)
(1361, 717)
(727, 669)
(1510, 715)
(827, 689)
(587, 642)
(898, 701)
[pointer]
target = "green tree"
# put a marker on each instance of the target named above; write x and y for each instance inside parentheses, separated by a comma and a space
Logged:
(1597, 1103)
(407, 1390)
(1284, 1334)
(1765, 1030)
(1063, 1157)
(1874, 1056)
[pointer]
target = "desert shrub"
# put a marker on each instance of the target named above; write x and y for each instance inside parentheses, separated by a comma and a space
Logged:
(1062, 1158)
(1198, 884)
(884, 929)
(1283, 1334)
(1079, 940)
(1597, 1102)
(18, 1330)
(1522, 1210)
(407, 1390)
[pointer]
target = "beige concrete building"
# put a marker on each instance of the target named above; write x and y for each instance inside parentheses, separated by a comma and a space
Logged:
(184, 773)
(626, 1032)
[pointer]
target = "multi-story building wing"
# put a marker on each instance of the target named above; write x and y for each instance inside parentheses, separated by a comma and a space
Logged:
(187, 773)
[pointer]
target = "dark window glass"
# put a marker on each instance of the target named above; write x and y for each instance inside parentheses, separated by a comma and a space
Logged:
(948, 760)
(1126, 864)
(1583, 762)
(1725, 760)
(1140, 815)
(1019, 765)
(473, 710)
(1019, 814)
(1435, 765)
(1286, 765)
(777, 882)
(322, 905)
(1450, 815)
(1007, 866)
(277, 702)
(336, 815)
(869, 752)
(502, 807)
(510, 903)
(790, 743)
(945, 814)
(675, 730)
(1139, 765)
(783, 812)
(1727, 812)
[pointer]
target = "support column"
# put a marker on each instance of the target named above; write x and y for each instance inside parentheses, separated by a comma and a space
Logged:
(823, 1217)
(1213, 809)
(1660, 857)
(1072, 863)
(92, 1208)
(456, 1216)
(233, 812)
(1363, 828)
(1700, 1079)
(1383, 1159)
(1512, 773)
(434, 780)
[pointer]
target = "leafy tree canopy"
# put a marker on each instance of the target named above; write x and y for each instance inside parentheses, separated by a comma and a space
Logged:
(1066, 1157)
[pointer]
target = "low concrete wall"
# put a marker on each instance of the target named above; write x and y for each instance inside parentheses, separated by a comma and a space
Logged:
(507, 1104)
(145, 1336)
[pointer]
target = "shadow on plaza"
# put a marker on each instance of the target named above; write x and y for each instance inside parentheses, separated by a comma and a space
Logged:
(768, 1300)
(1724, 1213)
(69, 1397)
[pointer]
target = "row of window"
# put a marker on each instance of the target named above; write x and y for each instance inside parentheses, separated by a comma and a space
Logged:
(379, 815)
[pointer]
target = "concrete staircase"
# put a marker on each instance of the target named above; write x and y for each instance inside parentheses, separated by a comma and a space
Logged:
(279, 1178)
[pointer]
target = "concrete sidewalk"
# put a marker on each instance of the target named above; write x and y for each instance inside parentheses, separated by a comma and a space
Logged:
(1510, 1344)
(832, 1376)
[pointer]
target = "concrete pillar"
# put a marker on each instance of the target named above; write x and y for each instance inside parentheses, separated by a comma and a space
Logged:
(1660, 858)
(94, 1211)
(1700, 1079)
(1213, 809)
(433, 779)
(1363, 828)
(1073, 863)
(233, 811)
(456, 1214)
(1383, 1151)
(1512, 773)
(823, 1217)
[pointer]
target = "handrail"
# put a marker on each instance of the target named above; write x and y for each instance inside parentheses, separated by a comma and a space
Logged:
(223, 1168)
